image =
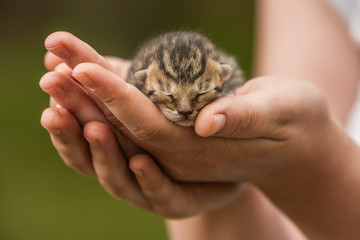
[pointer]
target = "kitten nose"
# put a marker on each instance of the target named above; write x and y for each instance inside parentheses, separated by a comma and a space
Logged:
(185, 112)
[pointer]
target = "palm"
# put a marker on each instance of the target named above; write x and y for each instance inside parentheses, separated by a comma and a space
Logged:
(156, 193)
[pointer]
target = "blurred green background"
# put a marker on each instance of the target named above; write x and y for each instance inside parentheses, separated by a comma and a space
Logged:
(40, 198)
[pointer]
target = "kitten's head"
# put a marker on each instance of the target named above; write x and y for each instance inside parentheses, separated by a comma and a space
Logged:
(181, 95)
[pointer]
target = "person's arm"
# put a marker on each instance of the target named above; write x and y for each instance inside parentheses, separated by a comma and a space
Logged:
(307, 39)
(275, 130)
(303, 39)
(242, 218)
(251, 216)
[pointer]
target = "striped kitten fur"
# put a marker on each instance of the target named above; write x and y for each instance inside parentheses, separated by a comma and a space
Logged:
(181, 72)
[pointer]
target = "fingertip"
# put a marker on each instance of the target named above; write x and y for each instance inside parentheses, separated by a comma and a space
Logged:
(213, 118)
(47, 80)
(213, 125)
(50, 118)
(55, 44)
(82, 68)
(63, 68)
(139, 163)
(205, 122)
(203, 126)
(54, 39)
(51, 61)
(97, 131)
(56, 120)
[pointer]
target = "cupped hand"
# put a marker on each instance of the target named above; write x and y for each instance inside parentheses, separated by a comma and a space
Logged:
(145, 185)
(276, 133)
(65, 92)
(82, 130)
(270, 124)
(253, 133)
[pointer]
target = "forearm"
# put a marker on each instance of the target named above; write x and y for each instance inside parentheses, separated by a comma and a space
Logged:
(251, 216)
(321, 193)
(306, 39)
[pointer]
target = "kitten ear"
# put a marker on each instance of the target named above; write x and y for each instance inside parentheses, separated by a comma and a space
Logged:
(141, 75)
(226, 70)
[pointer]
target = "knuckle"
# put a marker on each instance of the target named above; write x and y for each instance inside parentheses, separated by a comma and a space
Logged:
(146, 133)
(153, 187)
(160, 202)
(163, 202)
(110, 100)
(114, 190)
(243, 126)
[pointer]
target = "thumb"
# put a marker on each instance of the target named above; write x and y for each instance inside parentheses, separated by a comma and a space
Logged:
(246, 116)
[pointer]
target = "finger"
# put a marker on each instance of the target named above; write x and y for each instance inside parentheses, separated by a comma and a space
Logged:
(64, 69)
(137, 112)
(68, 140)
(248, 116)
(166, 197)
(51, 61)
(71, 96)
(111, 166)
(72, 50)
(265, 107)
(174, 200)
(66, 93)
(155, 185)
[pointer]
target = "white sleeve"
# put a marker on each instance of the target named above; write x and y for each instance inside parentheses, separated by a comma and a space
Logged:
(350, 11)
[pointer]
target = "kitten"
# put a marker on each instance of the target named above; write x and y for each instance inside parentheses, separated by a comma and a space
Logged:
(181, 72)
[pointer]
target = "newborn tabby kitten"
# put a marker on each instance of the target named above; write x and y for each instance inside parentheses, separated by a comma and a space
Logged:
(181, 72)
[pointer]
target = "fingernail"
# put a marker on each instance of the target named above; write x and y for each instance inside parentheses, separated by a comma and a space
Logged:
(219, 123)
(93, 142)
(56, 92)
(60, 50)
(85, 80)
(138, 173)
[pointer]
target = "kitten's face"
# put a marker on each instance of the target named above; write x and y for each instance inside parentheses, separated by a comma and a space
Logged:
(181, 101)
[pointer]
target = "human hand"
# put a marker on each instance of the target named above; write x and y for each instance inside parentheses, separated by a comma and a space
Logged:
(94, 151)
(265, 124)
(262, 122)
(75, 100)
(145, 185)
(278, 134)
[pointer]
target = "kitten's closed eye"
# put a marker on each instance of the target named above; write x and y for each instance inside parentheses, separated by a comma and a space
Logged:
(206, 95)
(171, 97)
(197, 98)
(179, 71)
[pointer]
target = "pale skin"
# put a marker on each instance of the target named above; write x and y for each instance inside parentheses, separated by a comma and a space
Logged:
(263, 126)
(249, 198)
